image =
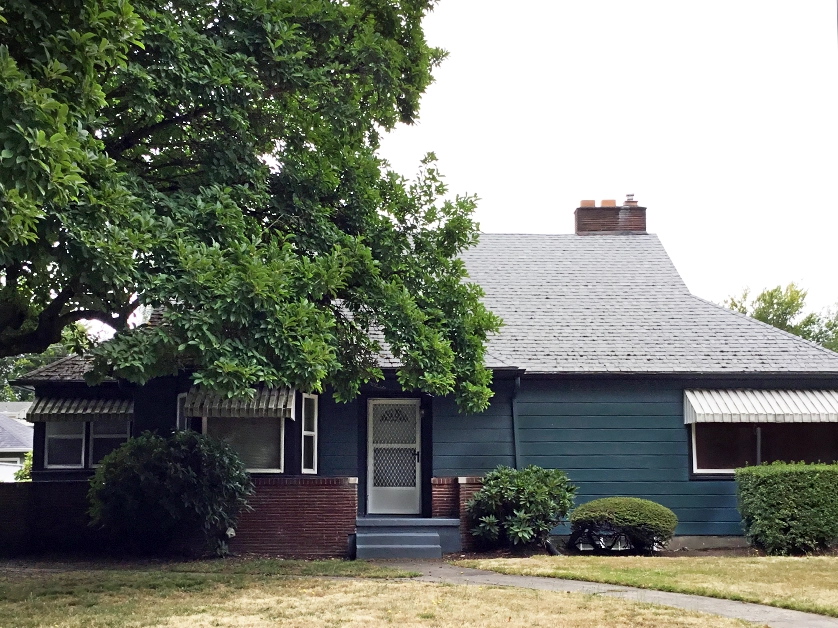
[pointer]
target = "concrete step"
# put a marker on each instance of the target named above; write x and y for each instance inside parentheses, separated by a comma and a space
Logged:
(398, 551)
(398, 538)
(447, 529)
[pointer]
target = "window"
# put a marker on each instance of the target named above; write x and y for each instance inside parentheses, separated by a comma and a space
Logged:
(259, 442)
(722, 447)
(182, 419)
(309, 434)
(105, 436)
(64, 445)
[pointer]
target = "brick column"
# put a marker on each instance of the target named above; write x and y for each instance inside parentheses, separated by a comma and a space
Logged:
(468, 487)
(445, 498)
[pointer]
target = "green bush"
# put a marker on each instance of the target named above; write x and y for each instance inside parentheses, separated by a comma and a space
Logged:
(520, 507)
(154, 494)
(789, 508)
(646, 524)
(24, 474)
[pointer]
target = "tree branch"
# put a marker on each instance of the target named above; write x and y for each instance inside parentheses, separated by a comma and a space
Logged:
(120, 144)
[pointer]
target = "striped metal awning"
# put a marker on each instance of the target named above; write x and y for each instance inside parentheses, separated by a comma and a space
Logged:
(265, 403)
(760, 406)
(75, 409)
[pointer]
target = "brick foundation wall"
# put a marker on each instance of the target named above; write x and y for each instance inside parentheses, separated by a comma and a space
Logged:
(468, 486)
(299, 516)
(445, 498)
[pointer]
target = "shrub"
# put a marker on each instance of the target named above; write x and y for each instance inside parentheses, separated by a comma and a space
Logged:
(24, 474)
(155, 493)
(646, 524)
(520, 507)
(789, 508)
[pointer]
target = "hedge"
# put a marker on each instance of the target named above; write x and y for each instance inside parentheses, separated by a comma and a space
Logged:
(646, 524)
(789, 508)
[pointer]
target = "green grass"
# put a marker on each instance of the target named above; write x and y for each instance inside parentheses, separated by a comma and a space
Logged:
(808, 584)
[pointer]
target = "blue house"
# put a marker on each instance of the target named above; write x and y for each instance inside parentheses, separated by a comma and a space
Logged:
(606, 367)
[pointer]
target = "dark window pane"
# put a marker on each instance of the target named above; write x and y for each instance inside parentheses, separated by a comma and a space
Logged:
(800, 442)
(257, 441)
(309, 413)
(101, 447)
(308, 453)
(725, 445)
(64, 451)
(68, 428)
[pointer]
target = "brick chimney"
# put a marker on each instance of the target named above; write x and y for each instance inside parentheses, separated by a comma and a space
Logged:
(611, 219)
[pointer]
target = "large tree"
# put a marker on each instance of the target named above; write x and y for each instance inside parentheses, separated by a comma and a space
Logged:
(785, 308)
(218, 160)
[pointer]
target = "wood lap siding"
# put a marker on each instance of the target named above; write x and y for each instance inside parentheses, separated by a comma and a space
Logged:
(471, 444)
(620, 438)
(338, 437)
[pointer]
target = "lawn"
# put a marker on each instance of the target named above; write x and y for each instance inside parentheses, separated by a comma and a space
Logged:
(254, 594)
(803, 584)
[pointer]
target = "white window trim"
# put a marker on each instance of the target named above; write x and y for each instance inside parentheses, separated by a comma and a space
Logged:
(47, 438)
(94, 436)
(181, 420)
(312, 470)
(698, 471)
(281, 448)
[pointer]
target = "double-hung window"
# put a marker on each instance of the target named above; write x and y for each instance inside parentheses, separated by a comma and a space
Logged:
(309, 424)
(65, 445)
(105, 436)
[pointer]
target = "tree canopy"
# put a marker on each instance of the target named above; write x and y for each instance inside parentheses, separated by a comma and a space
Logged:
(784, 308)
(219, 160)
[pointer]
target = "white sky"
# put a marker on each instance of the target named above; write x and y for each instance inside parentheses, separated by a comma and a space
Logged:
(721, 116)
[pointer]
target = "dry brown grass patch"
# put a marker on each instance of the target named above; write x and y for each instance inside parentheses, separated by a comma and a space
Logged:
(246, 601)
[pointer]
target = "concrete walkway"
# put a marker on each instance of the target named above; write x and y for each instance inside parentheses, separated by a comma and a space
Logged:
(438, 571)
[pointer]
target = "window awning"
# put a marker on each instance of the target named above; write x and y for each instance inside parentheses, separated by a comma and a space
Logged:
(75, 409)
(760, 406)
(266, 403)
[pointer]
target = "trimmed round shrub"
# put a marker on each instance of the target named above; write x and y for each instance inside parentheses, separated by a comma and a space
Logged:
(519, 507)
(156, 494)
(647, 525)
(789, 508)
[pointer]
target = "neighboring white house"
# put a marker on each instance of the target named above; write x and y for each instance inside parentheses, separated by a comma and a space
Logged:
(15, 438)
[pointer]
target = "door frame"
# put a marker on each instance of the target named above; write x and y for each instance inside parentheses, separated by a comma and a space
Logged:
(420, 461)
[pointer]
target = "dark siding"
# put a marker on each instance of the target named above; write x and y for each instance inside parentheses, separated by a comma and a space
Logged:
(623, 438)
(337, 437)
(155, 406)
(471, 444)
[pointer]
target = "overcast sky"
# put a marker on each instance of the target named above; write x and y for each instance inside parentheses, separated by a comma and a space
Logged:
(720, 116)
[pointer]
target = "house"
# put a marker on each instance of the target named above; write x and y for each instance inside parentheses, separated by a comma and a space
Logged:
(607, 367)
(15, 438)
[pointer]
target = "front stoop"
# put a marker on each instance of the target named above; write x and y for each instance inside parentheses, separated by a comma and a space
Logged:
(406, 537)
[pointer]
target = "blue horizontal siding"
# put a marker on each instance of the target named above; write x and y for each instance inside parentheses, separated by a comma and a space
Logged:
(472, 444)
(611, 438)
(337, 437)
(623, 439)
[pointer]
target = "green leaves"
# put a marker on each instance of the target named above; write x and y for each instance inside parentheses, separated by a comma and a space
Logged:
(218, 160)
(783, 308)
(519, 507)
(789, 508)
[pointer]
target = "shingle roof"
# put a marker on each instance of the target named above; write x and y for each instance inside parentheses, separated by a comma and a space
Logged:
(14, 436)
(599, 304)
(603, 304)
(69, 369)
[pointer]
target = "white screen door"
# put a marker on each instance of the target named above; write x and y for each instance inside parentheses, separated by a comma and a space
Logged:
(393, 461)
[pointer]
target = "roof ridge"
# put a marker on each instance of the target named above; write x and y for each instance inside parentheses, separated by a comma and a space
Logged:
(751, 319)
